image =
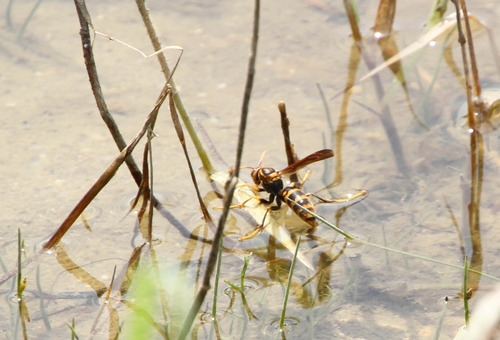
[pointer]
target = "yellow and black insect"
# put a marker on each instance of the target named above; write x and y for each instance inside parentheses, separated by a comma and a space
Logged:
(270, 180)
(293, 193)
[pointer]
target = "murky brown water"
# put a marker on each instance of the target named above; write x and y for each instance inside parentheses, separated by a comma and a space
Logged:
(56, 146)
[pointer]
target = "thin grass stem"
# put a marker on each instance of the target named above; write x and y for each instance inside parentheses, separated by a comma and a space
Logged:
(288, 285)
(465, 291)
(355, 239)
(150, 198)
(319, 218)
(207, 165)
(425, 258)
(19, 264)
(21, 285)
(216, 283)
(409, 230)
(182, 140)
(243, 272)
(71, 326)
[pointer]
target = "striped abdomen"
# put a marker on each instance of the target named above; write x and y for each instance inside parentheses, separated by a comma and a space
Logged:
(293, 192)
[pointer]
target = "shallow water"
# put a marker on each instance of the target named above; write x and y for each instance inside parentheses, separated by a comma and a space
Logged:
(56, 146)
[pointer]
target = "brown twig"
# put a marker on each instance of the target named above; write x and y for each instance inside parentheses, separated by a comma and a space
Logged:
(476, 151)
(88, 55)
(85, 22)
(230, 185)
(182, 140)
(289, 148)
(473, 63)
(106, 176)
(462, 41)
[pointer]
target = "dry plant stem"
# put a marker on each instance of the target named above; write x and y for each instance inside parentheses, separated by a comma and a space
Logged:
(461, 41)
(124, 279)
(85, 22)
(180, 135)
(143, 196)
(88, 55)
(230, 185)
(385, 16)
(96, 187)
(351, 15)
(106, 176)
(141, 5)
(476, 159)
(465, 291)
(473, 63)
(289, 148)
(477, 164)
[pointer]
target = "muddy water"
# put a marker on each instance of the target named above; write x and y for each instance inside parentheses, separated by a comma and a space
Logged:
(56, 146)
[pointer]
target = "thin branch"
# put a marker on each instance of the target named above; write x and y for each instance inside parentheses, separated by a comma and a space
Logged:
(230, 185)
(141, 5)
(106, 176)
(85, 22)
(474, 69)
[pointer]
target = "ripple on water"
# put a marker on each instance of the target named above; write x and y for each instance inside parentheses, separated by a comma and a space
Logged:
(288, 325)
(251, 284)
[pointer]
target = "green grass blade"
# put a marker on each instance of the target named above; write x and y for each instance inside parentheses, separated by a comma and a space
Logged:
(465, 291)
(288, 285)
(216, 283)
